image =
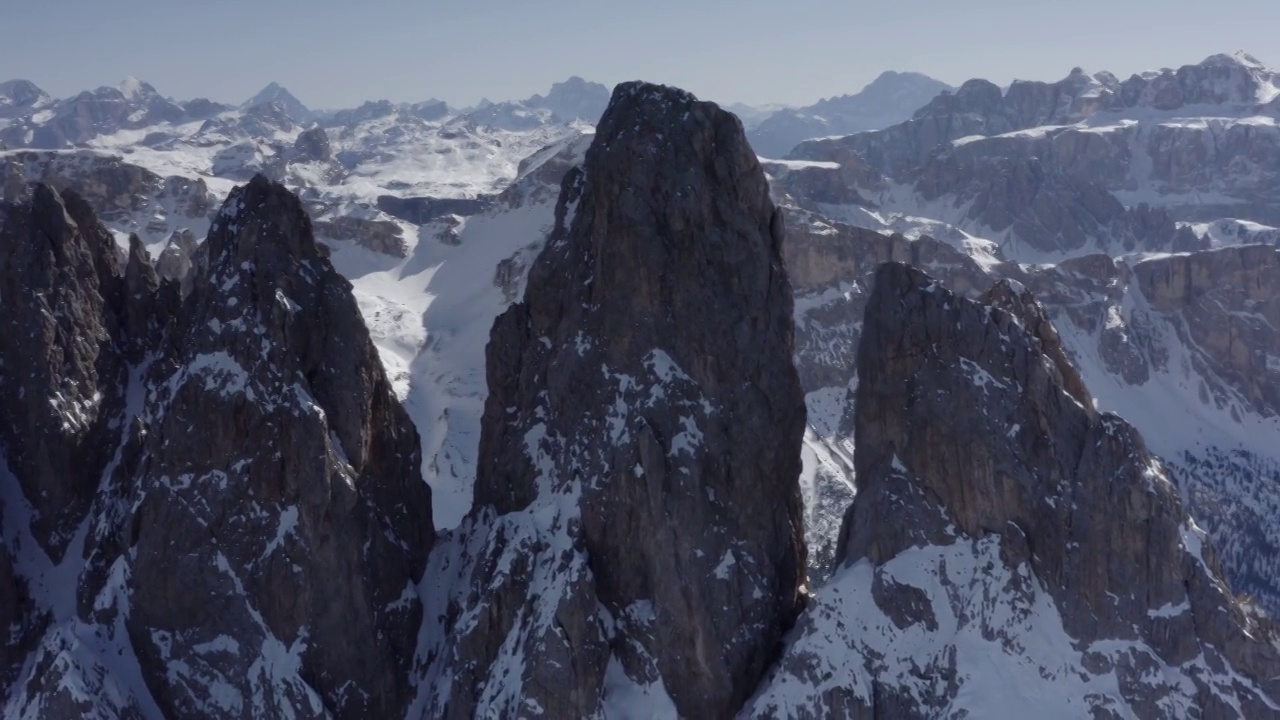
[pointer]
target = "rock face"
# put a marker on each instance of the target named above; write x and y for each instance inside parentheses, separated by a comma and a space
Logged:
(256, 516)
(127, 196)
(312, 146)
(62, 368)
(637, 531)
(1230, 302)
(380, 236)
(1026, 525)
(1052, 167)
(1045, 210)
(422, 210)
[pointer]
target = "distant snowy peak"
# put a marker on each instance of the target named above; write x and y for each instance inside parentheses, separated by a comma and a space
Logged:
(430, 109)
(1191, 145)
(574, 99)
(890, 86)
(570, 101)
(20, 95)
(1235, 80)
(134, 89)
(275, 93)
(887, 100)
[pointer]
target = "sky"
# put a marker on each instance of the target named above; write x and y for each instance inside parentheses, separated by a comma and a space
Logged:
(339, 53)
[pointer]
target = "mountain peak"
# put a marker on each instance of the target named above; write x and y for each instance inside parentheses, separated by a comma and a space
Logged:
(892, 77)
(573, 99)
(655, 437)
(276, 93)
(1024, 525)
(21, 93)
(133, 88)
(1238, 58)
(262, 219)
(889, 99)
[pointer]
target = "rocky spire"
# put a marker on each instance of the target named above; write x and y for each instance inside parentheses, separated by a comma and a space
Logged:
(1005, 534)
(304, 470)
(254, 545)
(61, 368)
(638, 525)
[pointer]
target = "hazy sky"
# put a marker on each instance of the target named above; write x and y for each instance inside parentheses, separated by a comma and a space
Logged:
(336, 53)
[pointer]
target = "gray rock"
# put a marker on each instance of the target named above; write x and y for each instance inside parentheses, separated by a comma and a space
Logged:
(422, 210)
(971, 433)
(380, 236)
(256, 518)
(61, 356)
(637, 515)
(1229, 301)
(312, 146)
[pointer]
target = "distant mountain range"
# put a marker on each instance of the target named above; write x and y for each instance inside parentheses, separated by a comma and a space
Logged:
(29, 117)
(889, 99)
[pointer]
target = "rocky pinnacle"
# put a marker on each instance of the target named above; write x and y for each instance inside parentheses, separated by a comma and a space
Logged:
(641, 436)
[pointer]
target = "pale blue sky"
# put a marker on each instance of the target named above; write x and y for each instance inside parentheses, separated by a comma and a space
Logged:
(334, 53)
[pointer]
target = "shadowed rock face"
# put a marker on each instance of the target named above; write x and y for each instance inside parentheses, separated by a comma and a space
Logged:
(1097, 509)
(380, 236)
(61, 355)
(305, 469)
(1230, 302)
(256, 517)
(640, 442)
(977, 441)
(312, 146)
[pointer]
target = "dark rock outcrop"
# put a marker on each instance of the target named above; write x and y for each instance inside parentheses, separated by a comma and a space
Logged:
(331, 464)
(62, 368)
(638, 523)
(312, 146)
(422, 210)
(380, 236)
(257, 521)
(975, 435)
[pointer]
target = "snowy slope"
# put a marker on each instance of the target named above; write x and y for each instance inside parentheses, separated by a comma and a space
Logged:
(430, 316)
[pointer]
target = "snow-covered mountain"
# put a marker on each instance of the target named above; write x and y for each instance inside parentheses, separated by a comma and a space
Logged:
(275, 93)
(887, 100)
(1083, 192)
(1097, 200)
